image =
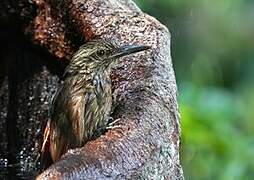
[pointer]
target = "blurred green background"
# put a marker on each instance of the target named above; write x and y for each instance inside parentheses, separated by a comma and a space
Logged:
(213, 57)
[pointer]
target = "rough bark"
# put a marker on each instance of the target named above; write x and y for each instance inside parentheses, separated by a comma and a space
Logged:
(147, 144)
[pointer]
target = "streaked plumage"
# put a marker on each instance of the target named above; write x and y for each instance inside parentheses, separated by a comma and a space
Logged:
(83, 103)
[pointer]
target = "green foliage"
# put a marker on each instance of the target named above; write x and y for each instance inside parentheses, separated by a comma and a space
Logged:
(213, 58)
(217, 139)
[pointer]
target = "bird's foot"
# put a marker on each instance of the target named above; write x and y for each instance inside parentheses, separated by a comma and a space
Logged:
(112, 125)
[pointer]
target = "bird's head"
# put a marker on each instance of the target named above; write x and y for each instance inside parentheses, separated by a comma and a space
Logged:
(99, 55)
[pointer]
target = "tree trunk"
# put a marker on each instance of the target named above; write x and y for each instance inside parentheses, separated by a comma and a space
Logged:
(147, 144)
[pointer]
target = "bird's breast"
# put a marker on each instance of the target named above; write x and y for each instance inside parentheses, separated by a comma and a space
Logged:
(97, 106)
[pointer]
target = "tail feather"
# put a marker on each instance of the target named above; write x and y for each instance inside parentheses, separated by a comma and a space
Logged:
(46, 159)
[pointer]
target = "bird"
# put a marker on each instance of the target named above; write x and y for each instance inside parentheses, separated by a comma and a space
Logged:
(83, 103)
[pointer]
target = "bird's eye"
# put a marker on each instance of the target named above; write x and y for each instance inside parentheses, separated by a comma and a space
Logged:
(101, 52)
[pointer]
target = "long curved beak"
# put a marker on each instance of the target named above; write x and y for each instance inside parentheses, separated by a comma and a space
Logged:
(130, 49)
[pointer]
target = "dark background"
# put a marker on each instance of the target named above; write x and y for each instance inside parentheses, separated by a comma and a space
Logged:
(213, 58)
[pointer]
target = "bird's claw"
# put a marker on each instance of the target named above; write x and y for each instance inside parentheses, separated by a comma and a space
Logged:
(111, 124)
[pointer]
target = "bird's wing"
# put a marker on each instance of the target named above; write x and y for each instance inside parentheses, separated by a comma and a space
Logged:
(46, 158)
(53, 101)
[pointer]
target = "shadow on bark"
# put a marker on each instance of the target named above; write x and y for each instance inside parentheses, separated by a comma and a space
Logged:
(48, 32)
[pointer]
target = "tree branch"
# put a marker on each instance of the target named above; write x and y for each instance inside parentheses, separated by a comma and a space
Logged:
(147, 144)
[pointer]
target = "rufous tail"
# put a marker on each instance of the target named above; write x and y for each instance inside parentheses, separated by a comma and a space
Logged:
(45, 154)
